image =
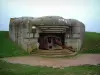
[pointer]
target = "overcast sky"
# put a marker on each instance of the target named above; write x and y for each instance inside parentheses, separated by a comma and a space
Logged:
(87, 11)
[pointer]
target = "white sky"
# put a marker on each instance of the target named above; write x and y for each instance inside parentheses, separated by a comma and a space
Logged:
(86, 11)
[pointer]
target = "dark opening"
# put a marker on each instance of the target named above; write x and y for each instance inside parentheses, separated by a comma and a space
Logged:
(44, 45)
(49, 39)
(50, 47)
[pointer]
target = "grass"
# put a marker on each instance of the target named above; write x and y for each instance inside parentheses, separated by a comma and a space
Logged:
(9, 48)
(91, 43)
(18, 69)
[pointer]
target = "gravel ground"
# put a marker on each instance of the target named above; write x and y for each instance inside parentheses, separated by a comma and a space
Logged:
(82, 59)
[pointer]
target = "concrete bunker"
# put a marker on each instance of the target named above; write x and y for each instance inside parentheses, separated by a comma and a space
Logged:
(47, 32)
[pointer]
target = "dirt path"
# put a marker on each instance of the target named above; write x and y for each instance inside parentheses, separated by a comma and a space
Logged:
(92, 59)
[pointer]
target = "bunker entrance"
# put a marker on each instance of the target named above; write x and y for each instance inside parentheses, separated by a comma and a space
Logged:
(49, 41)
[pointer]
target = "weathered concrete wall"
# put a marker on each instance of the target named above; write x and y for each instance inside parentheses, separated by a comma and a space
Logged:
(19, 32)
(75, 43)
(76, 35)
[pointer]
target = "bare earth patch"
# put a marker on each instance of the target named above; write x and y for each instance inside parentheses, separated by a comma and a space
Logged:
(82, 59)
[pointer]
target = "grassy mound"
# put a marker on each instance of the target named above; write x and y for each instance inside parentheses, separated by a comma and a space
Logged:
(9, 48)
(91, 43)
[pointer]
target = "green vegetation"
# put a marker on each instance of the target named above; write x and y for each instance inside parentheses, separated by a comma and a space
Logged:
(18, 69)
(91, 43)
(9, 48)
